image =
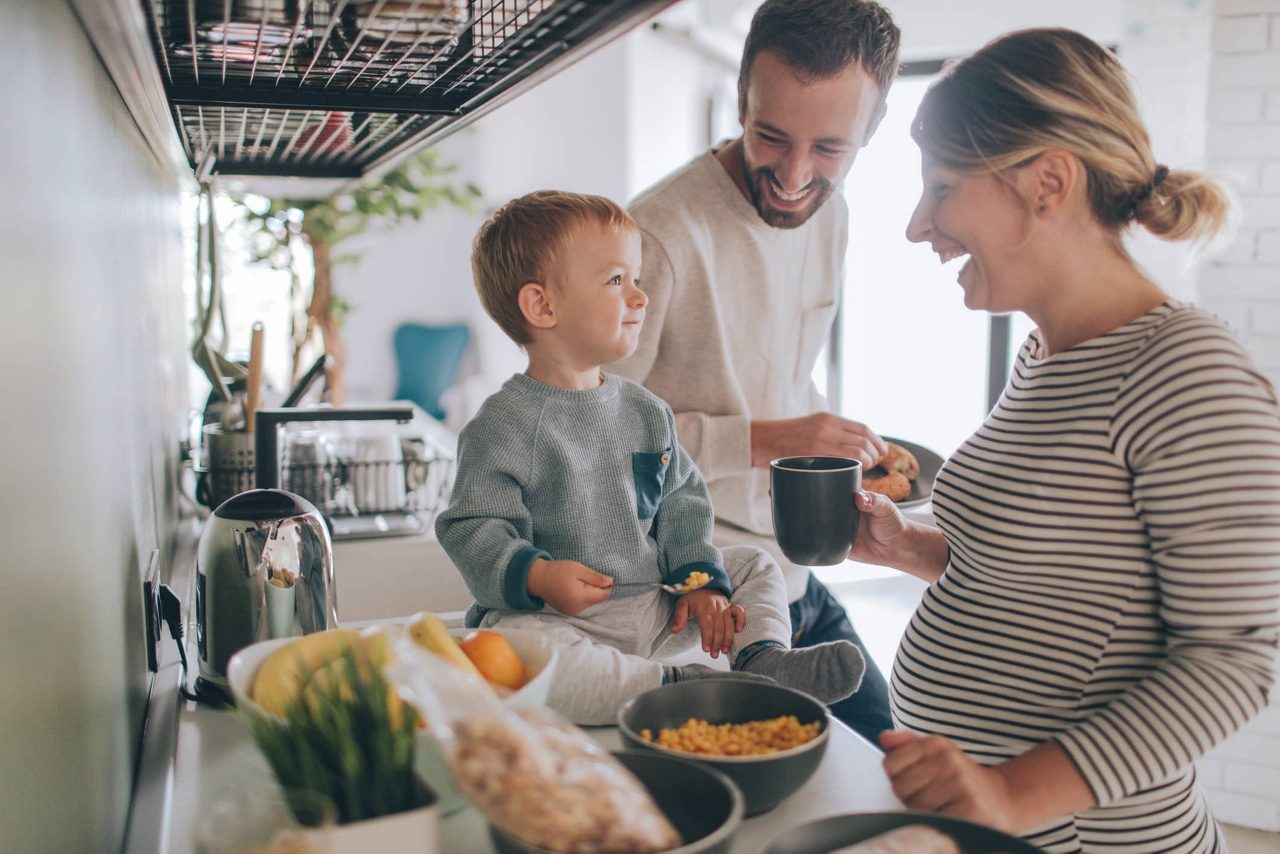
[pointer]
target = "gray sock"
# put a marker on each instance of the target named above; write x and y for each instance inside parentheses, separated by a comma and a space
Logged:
(828, 672)
(690, 672)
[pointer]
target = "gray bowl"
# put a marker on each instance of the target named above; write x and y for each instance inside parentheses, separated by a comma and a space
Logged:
(704, 805)
(764, 780)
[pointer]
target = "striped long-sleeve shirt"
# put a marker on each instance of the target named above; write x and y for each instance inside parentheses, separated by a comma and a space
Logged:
(1114, 579)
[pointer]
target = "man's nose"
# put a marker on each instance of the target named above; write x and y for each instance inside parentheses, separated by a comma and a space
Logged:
(795, 171)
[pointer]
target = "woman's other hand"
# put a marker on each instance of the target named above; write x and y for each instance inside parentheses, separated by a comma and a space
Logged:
(931, 773)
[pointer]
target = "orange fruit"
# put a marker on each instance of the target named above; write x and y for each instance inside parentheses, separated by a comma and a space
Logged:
(495, 658)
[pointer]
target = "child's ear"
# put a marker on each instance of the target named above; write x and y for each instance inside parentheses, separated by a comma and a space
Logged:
(535, 305)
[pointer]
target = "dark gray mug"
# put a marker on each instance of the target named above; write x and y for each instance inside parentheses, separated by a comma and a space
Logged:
(815, 519)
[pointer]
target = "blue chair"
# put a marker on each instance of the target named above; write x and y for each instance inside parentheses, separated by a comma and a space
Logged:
(427, 360)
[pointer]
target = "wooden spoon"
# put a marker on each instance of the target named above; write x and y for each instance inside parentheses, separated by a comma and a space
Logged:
(254, 383)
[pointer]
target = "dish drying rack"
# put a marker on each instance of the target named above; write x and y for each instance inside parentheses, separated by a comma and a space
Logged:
(338, 88)
(368, 482)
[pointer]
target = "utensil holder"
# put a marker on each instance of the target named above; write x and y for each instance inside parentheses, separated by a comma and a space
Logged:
(229, 464)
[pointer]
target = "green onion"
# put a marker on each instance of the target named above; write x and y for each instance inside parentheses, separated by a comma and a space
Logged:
(337, 739)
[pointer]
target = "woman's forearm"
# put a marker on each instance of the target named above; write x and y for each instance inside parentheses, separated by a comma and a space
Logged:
(922, 551)
(1044, 784)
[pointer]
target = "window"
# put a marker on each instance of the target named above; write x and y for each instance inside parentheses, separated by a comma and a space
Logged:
(251, 292)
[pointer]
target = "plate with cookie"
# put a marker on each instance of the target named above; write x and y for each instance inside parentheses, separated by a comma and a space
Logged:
(905, 474)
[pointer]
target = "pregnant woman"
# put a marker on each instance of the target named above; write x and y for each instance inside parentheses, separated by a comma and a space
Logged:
(1104, 582)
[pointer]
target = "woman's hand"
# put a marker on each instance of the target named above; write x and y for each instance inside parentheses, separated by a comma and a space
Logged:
(717, 619)
(931, 773)
(881, 530)
(567, 585)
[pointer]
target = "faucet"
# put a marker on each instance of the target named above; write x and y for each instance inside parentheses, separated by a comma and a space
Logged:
(266, 449)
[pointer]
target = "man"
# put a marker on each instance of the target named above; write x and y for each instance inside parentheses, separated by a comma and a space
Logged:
(743, 263)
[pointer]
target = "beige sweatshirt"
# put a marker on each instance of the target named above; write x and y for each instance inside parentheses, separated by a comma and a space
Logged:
(738, 313)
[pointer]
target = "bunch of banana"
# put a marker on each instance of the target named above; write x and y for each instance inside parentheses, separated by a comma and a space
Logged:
(428, 631)
(317, 661)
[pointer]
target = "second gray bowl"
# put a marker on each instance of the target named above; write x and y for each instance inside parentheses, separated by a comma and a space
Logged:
(765, 780)
(703, 805)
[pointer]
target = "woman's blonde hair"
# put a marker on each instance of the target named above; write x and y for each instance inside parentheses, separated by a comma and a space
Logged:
(1034, 90)
(523, 241)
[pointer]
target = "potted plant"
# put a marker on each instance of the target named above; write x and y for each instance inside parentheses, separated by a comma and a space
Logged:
(347, 735)
(280, 227)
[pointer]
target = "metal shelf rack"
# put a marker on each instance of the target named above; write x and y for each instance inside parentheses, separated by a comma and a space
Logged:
(340, 88)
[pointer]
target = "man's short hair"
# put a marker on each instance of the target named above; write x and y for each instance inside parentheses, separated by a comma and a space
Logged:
(820, 38)
(523, 241)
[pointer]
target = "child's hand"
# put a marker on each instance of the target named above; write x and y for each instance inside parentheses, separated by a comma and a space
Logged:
(568, 586)
(717, 619)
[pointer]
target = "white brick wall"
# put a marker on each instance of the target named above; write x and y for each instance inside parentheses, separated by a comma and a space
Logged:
(1241, 284)
(1166, 44)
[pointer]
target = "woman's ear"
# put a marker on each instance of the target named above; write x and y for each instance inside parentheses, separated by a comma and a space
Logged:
(535, 305)
(1052, 177)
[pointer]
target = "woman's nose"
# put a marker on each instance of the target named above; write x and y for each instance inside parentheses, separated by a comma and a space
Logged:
(921, 223)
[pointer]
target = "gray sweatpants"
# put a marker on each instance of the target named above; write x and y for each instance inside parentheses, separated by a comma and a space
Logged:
(607, 654)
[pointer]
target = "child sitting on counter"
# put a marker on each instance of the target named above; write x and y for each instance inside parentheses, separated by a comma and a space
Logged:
(573, 498)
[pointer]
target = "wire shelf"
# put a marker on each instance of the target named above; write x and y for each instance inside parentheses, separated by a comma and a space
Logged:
(333, 88)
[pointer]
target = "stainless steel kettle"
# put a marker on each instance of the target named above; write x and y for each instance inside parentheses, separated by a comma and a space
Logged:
(264, 569)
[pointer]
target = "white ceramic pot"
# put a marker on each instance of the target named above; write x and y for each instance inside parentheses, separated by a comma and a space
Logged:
(412, 832)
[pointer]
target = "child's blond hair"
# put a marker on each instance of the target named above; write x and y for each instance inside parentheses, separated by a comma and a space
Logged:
(522, 243)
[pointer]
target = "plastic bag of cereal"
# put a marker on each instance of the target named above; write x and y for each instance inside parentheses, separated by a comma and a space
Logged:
(530, 772)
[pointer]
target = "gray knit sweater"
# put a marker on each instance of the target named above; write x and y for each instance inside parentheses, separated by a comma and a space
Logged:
(595, 476)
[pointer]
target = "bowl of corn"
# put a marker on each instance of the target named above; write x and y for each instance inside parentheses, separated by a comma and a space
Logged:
(766, 738)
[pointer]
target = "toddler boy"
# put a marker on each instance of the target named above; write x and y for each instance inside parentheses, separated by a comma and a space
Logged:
(573, 497)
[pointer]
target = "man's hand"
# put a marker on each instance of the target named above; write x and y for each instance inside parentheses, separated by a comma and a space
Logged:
(717, 619)
(931, 773)
(819, 434)
(566, 585)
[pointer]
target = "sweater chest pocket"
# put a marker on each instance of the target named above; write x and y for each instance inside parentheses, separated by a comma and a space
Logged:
(650, 472)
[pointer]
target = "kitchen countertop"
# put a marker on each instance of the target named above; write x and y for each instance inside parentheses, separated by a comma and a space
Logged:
(216, 758)
(193, 756)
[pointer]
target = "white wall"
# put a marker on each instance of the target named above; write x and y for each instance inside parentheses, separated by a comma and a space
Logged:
(1243, 286)
(91, 336)
(933, 29)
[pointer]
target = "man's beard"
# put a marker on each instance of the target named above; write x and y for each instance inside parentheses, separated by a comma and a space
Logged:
(757, 181)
